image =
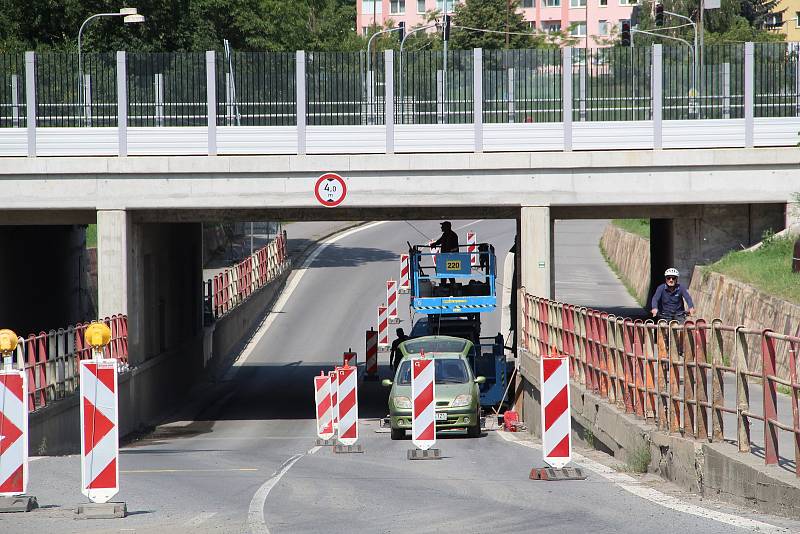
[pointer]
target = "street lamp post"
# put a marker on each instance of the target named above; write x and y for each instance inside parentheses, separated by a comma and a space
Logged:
(131, 16)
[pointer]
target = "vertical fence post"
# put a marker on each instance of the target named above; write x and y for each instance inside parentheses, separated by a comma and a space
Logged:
(582, 95)
(512, 96)
(726, 90)
(158, 82)
(15, 100)
(30, 100)
(749, 85)
(211, 100)
(566, 96)
(742, 391)
(87, 99)
(122, 104)
(657, 91)
(717, 382)
(477, 97)
(768, 369)
(440, 96)
(300, 86)
(228, 99)
(388, 95)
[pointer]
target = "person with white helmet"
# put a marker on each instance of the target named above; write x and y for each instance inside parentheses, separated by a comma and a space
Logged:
(667, 302)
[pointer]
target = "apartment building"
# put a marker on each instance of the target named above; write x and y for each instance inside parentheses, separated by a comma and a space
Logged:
(786, 19)
(593, 18)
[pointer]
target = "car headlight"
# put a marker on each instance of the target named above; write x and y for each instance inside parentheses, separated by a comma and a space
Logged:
(462, 400)
(402, 403)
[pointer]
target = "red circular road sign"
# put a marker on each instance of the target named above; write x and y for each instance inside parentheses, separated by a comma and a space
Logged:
(330, 190)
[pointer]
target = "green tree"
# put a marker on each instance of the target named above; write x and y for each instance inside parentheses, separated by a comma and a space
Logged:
(504, 20)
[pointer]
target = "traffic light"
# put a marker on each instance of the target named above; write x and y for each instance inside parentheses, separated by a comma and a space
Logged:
(401, 30)
(447, 27)
(659, 14)
(625, 34)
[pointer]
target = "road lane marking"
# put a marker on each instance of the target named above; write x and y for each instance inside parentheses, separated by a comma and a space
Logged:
(286, 294)
(199, 519)
(632, 486)
(233, 470)
(256, 521)
(313, 450)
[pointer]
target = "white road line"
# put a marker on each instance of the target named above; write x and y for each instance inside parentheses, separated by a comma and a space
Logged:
(199, 519)
(468, 224)
(631, 485)
(313, 450)
(294, 281)
(255, 516)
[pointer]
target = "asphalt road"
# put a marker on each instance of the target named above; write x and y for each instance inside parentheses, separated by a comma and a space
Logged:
(248, 462)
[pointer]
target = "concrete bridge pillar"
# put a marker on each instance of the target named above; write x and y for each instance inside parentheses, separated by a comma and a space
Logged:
(536, 252)
(113, 261)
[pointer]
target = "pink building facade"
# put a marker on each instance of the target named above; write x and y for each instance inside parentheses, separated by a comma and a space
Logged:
(603, 16)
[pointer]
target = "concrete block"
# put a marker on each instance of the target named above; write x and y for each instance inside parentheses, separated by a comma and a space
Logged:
(348, 449)
(18, 503)
(326, 442)
(549, 473)
(419, 454)
(108, 510)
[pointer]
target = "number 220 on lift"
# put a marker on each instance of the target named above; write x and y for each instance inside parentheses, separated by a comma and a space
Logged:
(330, 190)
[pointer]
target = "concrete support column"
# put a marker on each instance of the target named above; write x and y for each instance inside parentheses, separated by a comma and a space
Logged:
(536, 251)
(113, 259)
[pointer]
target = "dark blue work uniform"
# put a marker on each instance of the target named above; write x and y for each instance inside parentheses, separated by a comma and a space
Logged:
(669, 302)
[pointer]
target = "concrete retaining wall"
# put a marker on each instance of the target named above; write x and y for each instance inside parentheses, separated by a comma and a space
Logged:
(715, 470)
(630, 255)
(736, 303)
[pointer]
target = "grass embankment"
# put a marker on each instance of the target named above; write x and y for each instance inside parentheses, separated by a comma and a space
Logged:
(640, 227)
(91, 236)
(768, 268)
(618, 273)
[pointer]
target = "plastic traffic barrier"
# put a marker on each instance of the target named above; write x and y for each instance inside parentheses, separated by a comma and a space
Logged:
(348, 405)
(405, 281)
(13, 433)
(423, 393)
(372, 354)
(472, 248)
(556, 423)
(324, 408)
(391, 301)
(383, 328)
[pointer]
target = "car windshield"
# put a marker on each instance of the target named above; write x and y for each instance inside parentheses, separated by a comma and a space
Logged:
(415, 346)
(447, 371)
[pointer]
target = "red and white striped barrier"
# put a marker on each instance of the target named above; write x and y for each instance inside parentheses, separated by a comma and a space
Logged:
(372, 353)
(391, 301)
(334, 376)
(99, 428)
(13, 433)
(350, 358)
(348, 405)
(556, 423)
(472, 248)
(423, 393)
(383, 329)
(322, 398)
(405, 282)
(434, 251)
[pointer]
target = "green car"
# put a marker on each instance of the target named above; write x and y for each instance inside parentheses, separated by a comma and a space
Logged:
(457, 393)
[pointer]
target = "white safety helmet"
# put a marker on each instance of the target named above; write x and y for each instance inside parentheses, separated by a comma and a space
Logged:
(672, 271)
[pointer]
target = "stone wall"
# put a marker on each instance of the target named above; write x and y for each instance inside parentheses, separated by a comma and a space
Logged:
(736, 303)
(630, 255)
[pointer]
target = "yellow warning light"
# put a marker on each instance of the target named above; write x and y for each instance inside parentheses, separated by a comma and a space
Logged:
(8, 341)
(97, 335)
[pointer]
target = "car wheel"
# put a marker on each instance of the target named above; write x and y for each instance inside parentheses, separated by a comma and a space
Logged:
(474, 431)
(398, 433)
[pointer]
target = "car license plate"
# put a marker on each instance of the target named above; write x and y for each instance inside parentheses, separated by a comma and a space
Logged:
(441, 416)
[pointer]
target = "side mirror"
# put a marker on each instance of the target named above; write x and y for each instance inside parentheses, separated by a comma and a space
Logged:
(480, 379)
(386, 383)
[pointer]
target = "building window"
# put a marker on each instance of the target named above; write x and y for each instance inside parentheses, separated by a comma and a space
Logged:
(367, 7)
(578, 29)
(552, 3)
(450, 5)
(603, 3)
(602, 27)
(420, 6)
(773, 20)
(629, 2)
(397, 7)
(527, 4)
(531, 24)
(797, 19)
(551, 26)
(577, 3)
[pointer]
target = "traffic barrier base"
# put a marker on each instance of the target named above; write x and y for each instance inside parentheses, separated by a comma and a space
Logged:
(18, 503)
(326, 442)
(549, 473)
(106, 510)
(419, 454)
(348, 449)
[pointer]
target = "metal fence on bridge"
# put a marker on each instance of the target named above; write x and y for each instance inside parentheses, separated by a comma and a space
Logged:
(259, 88)
(675, 375)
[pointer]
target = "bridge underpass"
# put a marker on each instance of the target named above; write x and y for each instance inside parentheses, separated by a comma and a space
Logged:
(259, 417)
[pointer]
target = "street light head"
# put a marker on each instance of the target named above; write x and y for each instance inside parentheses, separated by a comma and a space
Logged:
(128, 11)
(133, 19)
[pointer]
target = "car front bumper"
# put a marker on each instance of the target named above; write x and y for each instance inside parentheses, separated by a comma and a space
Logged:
(456, 418)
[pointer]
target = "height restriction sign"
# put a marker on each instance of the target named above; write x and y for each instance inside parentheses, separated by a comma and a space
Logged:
(330, 190)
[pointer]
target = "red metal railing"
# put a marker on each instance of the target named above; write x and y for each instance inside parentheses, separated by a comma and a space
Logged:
(50, 359)
(671, 374)
(231, 287)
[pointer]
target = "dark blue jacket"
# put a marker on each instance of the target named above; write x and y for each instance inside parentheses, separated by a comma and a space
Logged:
(668, 303)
